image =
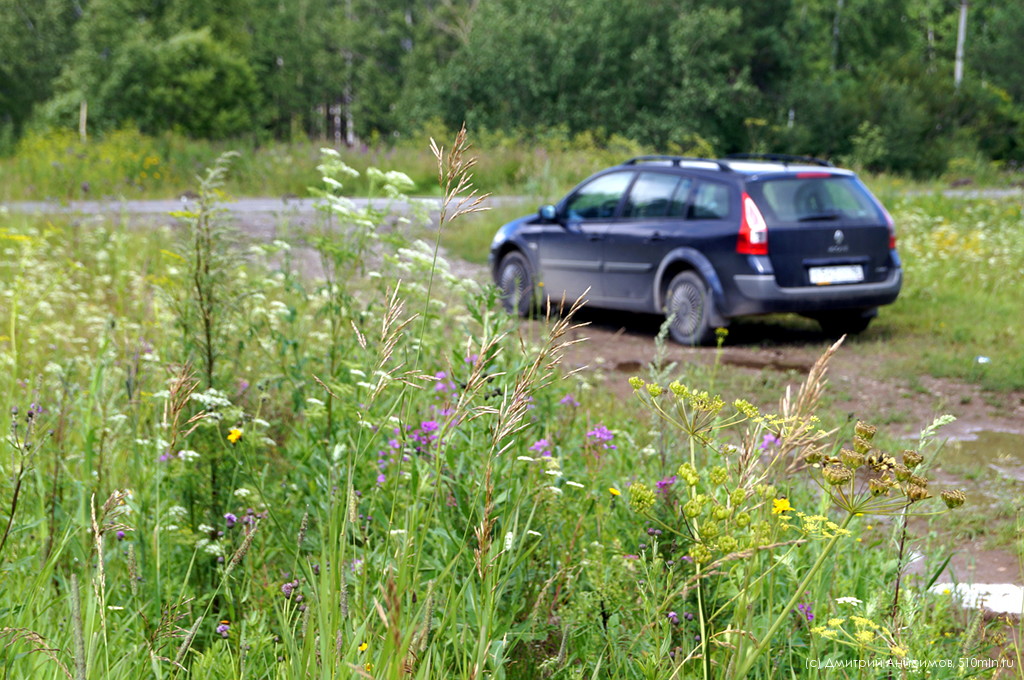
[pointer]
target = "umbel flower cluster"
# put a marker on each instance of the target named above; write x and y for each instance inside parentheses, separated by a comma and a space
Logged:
(867, 479)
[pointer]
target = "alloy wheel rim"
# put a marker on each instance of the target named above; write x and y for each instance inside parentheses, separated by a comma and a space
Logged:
(514, 282)
(686, 304)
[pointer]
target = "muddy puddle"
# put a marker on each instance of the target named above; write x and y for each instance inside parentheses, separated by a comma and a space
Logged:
(989, 466)
(985, 450)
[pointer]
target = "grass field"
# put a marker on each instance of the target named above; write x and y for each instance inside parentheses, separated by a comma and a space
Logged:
(218, 468)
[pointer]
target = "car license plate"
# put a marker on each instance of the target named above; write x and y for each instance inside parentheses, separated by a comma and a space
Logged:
(844, 273)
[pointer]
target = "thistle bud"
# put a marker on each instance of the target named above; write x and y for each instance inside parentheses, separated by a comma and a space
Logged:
(864, 430)
(917, 493)
(688, 473)
(851, 459)
(738, 496)
(953, 499)
(912, 459)
(700, 553)
(813, 457)
(727, 544)
(837, 474)
(880, 460)
(641, 499)
(878, 486)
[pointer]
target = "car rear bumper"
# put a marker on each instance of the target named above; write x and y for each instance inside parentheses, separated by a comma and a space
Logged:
(760, 294)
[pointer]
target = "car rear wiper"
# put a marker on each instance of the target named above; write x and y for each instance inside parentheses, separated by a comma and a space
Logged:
(820, 217)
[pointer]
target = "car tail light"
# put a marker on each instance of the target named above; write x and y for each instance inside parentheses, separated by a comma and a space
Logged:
(891, 226)
(753, 238)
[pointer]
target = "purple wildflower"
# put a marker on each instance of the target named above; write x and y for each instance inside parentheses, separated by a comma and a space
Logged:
(120, 535)
(287, 589)
(443, 385)
(223, 629)
(429, 426)
(673, 617)
(769, 441)
(568, 400)
(543, 447)
(688, 616)
(230, 519)
(602, 435)
(805, 609)
(664, 484)
(381, 479)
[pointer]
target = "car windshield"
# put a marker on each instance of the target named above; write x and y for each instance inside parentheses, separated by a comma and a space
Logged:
(818, 198)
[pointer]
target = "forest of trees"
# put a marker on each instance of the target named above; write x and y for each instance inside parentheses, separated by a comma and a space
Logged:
(867, 81)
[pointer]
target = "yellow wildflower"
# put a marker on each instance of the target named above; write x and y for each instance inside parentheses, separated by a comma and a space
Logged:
(363, 647)
(780, 506)
(234, 434)
(613, 491)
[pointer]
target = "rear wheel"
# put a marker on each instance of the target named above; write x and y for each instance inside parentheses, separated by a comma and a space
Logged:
(515, 281)
(688, 306)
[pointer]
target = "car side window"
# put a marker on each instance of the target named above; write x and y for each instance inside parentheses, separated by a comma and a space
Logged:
(598, 199)
(656, 194)
(710, 202)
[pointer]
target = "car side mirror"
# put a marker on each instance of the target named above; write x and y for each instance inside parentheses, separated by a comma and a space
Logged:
(548, 213)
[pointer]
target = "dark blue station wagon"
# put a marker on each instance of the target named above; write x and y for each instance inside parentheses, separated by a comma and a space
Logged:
(703, 241)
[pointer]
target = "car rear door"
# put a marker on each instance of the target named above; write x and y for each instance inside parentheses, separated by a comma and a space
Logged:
(824, 229)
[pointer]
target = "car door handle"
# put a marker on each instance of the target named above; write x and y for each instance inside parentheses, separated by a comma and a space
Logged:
(656, 236)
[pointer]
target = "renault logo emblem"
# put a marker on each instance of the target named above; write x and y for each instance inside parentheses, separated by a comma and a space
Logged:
(839, 246)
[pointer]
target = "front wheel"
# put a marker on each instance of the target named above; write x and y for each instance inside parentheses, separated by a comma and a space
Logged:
(688, 307)
(515, 281)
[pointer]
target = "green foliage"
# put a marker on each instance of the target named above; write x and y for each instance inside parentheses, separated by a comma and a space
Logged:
(36, 39)
(385, 478)
(708, 76)
(188, 83)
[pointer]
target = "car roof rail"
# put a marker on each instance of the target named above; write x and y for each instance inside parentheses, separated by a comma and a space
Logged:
(678, 161)
(780, 158)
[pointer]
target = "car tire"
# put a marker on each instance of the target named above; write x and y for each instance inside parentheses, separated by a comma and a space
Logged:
(850, 322)
(515, 281)
(689, 306)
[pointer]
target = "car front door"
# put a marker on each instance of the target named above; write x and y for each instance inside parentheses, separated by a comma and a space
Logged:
(571, 251)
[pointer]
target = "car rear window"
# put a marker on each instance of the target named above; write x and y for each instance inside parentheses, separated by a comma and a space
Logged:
(803, 199)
